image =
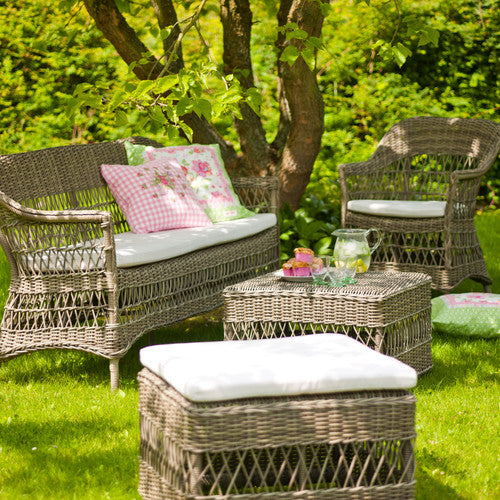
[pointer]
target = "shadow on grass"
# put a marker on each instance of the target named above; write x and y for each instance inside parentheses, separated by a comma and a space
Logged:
(429, 486)
(54, 453)
(456, 360)
(54, 364)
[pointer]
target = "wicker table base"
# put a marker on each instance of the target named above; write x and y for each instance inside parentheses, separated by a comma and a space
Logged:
(389, 312)
(345, 445)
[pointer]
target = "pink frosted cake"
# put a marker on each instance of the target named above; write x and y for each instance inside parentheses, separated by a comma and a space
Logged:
(288, 269)
(301, 268)
(304, 254)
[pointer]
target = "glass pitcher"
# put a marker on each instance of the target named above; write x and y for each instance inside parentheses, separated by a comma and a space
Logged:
(352, 249)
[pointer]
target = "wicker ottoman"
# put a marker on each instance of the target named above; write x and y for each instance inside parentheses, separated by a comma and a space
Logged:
(302, 417)
(387, 311)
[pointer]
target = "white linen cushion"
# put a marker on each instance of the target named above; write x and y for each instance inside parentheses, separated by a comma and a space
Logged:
(133, 249)
(137, 249)
(398, 208)
(308, 364)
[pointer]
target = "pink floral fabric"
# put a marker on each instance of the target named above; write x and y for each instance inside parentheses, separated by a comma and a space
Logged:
(154, 196)
(205, 171)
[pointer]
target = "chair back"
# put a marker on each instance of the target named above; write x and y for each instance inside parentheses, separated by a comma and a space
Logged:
(422, 152)
(65, 177)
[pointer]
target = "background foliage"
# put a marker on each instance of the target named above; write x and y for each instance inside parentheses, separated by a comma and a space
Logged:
(45, 54)
(48, 53)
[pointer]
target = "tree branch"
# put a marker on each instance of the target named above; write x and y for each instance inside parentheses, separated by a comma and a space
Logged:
(167, 16)
(236, 18)
(284, 122)
(130, 48)
(123, 38)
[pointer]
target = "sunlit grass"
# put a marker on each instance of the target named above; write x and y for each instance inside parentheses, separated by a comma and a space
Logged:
(64, 435)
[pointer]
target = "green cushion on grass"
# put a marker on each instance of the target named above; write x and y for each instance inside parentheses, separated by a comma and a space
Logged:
(467, 314)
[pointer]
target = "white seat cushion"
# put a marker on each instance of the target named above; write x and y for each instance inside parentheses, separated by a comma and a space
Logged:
(398, 208)
(134, 249)
(309, 364)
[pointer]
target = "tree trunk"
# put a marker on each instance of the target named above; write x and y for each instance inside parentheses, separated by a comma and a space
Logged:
(297, 141)
(236, 18)
(302, 102)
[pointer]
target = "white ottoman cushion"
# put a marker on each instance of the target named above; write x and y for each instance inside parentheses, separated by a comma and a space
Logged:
(398, 208)
(309, 364)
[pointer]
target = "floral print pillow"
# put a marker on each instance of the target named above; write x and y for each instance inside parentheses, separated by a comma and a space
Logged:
(472, 314)
(205, 171)
(154, 196)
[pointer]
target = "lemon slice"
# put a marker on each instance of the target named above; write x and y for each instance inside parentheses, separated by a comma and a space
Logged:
(361, 268)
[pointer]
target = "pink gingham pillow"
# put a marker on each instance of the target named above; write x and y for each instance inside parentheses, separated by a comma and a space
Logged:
(205, 171)
(154, 196)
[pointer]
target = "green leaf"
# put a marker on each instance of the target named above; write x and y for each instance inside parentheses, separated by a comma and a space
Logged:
(431, 35)
(165, 83)
(187, 131)
(183, 106)
(254, 99)
(144, 87)
(118, 98)
(123, 6)
(400, 53)
(297, 33)
(323, 246)
(202, 107)
(309, 56)
(316, 42)
(165, 32)
(157, 115)
(290, 54)
(81, 88)
(121, 118)
(171, 132)
(232, 96)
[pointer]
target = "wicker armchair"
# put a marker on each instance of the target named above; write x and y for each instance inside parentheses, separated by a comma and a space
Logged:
(58, 222)
(420, 188)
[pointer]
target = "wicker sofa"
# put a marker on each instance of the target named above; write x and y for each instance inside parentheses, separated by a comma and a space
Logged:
(59, 228)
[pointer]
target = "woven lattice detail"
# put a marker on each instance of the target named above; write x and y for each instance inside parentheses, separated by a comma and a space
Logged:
(347, 445)
(66, 291)
(388, 312)
(426, 158)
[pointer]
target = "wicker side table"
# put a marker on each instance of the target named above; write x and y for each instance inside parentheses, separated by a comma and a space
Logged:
(387, 311)
(347, 445)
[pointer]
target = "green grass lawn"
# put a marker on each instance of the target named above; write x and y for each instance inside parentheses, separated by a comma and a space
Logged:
(64, 435)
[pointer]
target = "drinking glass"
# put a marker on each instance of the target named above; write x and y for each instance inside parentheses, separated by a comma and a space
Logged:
(319, 269)
(346, 268)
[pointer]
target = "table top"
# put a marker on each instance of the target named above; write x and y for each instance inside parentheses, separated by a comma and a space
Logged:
(375, 285)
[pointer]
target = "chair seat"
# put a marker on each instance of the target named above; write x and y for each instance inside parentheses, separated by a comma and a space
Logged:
(310, 364)
(398, 208)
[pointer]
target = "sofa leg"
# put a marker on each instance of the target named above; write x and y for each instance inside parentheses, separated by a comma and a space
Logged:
(114, 372)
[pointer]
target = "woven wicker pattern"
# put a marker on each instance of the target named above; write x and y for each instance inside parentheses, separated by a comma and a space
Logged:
(389, 312)
(345, 445)
(426, 158)
(57, 220)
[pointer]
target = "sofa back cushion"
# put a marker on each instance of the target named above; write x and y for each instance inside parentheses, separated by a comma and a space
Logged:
(155, 196)
(204, 169)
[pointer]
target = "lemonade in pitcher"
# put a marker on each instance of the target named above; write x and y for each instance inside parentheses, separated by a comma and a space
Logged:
(352, 250)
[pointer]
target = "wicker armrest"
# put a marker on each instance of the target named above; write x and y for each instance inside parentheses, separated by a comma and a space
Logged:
(63, 241)
(258, 193)
(462, 194)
